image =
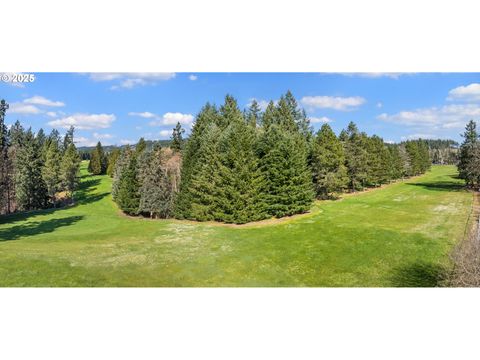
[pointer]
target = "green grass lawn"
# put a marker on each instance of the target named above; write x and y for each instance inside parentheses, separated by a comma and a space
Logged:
(397, 236)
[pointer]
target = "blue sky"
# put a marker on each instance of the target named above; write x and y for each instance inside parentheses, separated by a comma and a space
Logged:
(119, 108)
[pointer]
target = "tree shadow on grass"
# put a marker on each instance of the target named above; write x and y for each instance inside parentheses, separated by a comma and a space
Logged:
(36, 228)
(82, 196)
(440, 186)
(419, 274)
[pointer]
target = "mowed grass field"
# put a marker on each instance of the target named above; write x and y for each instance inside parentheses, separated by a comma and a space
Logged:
(400, 235)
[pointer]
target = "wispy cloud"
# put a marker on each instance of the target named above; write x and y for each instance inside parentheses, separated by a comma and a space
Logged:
(131, 80)
(40, 100)
(84, 121)
(320, 120)
(32, 106)
(333, 102)
(443, 117)
(169, 118)
(23, 109)
(465, 93)
(193, 77)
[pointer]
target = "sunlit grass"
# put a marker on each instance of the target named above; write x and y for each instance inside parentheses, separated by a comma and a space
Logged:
(397, 236)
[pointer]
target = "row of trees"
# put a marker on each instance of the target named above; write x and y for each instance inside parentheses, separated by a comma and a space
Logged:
(469, 158)
(241, 166)
(35, 170)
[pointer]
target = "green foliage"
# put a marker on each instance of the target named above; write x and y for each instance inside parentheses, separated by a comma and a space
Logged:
(177, 138)
(128, 197)
(469, 162)
(30, 189)
(194, 160)
(287, 187)
(356, 156)
(120, 165)
(328, 164)
(372, 239)
(51, 171)
(70, 170)
(156, 193)
(112, 160)
(98, 161)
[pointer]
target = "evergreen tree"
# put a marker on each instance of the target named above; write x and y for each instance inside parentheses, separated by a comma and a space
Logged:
(328, 163)
(287, 188)
(70, 170)
(205, 193)
(396, 168)
(141, 146)
(194, 159)
(468, 150)
(356, 156)
(177, 138)
(120, 165)
(4, 180)
(254, 114)
(268, 117)
(128, 197)
(239, 175)
(377, 161)
(51, 172)
(156, 193)
(68, 138)
(97, 164)
(112, 159)
(299, 115)
(31, 192)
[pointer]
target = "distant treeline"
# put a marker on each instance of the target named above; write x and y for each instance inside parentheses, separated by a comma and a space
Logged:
(443, 152)
(36, 171)
(241, 166)
(86, 151)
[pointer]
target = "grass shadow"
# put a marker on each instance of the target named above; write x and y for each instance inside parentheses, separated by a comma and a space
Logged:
(440, 186)
(419, 274)
(82, 196)
(36, 228)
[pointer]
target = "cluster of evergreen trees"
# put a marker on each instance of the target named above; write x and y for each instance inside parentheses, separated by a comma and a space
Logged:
(35, 168)
(144, 180)
(469, 157)
(241, 166)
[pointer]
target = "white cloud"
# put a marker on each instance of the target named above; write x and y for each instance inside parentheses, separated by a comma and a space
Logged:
(333, 102)
(40, 100)
(102, 136)
(168, 118)
(83, 141)
(193, 77)
(131, 80)
(51, 113)
(466, 93)
(165, 134)
(172, 118)
(145, 114)
(127, 142)
(444, 117)
(84, 121)
(379, 105)
(24, 109)
(389, 141)
(317, 120)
